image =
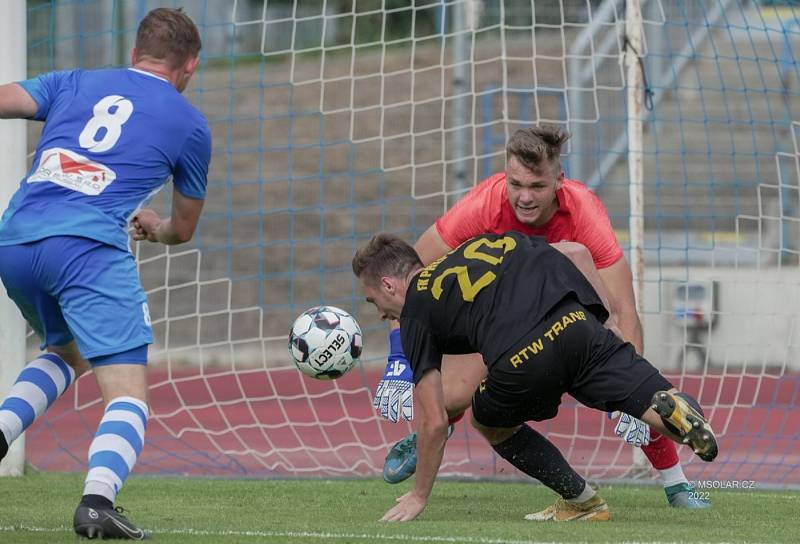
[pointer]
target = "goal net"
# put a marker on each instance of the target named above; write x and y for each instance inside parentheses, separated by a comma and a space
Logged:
(334, 119)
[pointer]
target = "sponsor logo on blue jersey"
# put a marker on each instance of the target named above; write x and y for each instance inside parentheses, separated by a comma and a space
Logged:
(73, 171)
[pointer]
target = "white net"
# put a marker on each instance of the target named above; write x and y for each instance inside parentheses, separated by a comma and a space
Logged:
(334, 119)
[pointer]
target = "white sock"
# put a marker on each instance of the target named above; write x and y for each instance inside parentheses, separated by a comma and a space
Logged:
(39, 384)
(585, 495)
(116, 446)
(673, 476)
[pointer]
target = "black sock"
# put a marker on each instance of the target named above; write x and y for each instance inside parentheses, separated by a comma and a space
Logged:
(537, 457)
(98, 502)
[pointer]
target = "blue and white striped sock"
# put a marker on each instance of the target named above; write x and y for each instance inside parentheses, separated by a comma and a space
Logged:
(39, 384)
(116, 445)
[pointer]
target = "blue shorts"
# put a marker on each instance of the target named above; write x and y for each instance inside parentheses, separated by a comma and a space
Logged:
(70, 288)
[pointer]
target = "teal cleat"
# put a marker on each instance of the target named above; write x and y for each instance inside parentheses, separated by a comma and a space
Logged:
(683, 495)
(401, 462)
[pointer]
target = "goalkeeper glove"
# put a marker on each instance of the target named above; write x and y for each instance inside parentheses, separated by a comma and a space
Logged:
(394, 396)
(633, 431)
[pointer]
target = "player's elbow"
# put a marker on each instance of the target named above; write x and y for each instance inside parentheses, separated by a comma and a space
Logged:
(185, 217)
(182, 232)
(575, 251)
(181, 237)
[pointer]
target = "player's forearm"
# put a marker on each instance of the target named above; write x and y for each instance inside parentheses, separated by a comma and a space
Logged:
(586, 266)
(583, 261)
(631, 328)
(431, 438)
(618, 280)
(169, 234)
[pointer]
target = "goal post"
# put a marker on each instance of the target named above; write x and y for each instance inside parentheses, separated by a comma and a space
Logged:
(12, 160)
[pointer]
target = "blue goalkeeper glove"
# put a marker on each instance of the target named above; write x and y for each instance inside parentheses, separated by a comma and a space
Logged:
(633, 431)
(394, 396)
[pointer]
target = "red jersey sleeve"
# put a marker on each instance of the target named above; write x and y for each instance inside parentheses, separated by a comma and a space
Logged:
(474, 214)
(593, 227)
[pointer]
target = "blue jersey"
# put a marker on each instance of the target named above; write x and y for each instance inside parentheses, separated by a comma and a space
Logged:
(111, 140)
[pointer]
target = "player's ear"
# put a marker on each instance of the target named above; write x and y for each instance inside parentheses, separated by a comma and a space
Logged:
(387, 284)
(134, 57)
(191, 65)
(560, 179)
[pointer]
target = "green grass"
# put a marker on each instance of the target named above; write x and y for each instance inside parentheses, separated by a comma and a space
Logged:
(39, 507)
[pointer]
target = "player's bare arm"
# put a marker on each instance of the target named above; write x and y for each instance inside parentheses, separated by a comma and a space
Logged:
(618, 281)
(430, 246)
(176, 229)
(582, 259)
(432, 435)
(15, 102)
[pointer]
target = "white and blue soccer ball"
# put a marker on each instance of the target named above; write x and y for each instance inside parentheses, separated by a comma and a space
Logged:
(325, 342)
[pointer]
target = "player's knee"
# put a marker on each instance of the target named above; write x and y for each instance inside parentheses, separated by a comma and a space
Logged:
(72, 356)
(79, 365)
(478, 426)
(495, 435)
(80, 368)
(458, 403)
(122, 381)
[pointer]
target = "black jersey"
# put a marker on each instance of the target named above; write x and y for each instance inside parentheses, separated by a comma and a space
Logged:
(485, 295)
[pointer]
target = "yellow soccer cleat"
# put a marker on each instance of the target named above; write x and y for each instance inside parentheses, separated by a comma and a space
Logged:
(594, 509)
(682, 415)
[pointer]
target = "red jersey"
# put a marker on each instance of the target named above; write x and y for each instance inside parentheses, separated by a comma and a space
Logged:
(580, 217)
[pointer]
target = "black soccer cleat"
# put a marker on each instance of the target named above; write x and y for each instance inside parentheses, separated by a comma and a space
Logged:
(3, 446)
(681, 415)
(106, 523)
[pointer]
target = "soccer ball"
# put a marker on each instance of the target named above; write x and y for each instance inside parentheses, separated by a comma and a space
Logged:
(325, 342)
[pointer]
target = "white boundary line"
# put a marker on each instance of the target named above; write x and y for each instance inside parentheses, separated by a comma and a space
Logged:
(327, 536)
(767, 495)
(296, 534)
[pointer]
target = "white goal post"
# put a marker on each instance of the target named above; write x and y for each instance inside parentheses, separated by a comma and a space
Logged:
(12, 166)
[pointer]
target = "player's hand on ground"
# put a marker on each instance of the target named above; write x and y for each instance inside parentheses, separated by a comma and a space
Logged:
(403, 496)
(145, 223)
(633, 431)
(408, 507)
(394, 397)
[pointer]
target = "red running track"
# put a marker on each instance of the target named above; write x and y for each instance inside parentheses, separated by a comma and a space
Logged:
(278, 423)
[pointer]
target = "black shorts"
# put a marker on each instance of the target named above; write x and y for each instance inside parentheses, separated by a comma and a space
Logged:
(569, 351)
